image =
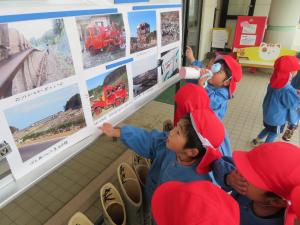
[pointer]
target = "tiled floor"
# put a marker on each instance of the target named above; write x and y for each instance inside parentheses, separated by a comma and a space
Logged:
(41, 202)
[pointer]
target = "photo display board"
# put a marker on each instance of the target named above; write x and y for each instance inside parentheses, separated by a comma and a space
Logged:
(64, 73)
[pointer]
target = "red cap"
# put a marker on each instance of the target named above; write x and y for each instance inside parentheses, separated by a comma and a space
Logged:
(236, 72)
(194, 203)
(211, 133)
(274, 167)
(188, 98)
(282, 68)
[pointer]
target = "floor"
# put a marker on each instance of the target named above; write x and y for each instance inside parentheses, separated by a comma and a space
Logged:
(37, 205)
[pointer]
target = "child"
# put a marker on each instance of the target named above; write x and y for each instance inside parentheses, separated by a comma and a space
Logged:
(272, 171)
(220, 87)
(293, 115)
(185, 154)
(198, 202)
(264, 186)
(280, 98)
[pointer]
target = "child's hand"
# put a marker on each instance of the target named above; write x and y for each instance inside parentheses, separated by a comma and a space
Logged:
(189, 54)
(237, 182)
(298, 91)
(202, 80)
(108, 130)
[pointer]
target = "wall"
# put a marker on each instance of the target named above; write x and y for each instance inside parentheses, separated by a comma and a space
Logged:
(207, 20)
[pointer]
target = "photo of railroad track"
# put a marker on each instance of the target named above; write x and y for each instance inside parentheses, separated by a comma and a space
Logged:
(32, 54)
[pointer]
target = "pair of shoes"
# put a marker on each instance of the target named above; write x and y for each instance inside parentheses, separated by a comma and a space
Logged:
(168, 125)
(288, 133)
(256, 142)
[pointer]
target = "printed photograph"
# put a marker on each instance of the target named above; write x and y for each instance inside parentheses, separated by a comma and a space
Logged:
(143, 33)
(40, 123)
(144, 73)
(108, 91)
(4, 167)
(102, 38)
(32, 54)
(169, 27)
(169, 63)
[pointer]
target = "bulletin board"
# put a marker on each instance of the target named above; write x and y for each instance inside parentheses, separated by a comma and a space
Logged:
(249, 31)
(74, 70)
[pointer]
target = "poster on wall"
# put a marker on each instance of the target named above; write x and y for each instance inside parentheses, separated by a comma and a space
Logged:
(249, 31)
(42, 122)
(170, 30)
(107, 91)
(102, 38)
(62, 74)
(33, 53)
(143, 31)
(144, 74)
(169, 63)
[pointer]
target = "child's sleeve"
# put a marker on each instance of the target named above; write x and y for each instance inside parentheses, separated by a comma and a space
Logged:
(218, 99)
(198, 64)
(142, 142)
(221, 168)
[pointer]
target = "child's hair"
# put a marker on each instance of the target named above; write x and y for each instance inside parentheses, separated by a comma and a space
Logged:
(211, 55)
(193, 140)
(272, 195)
(225, 68)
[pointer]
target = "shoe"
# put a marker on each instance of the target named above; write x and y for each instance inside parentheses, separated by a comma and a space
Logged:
(141, 168)
(79, 219)
(112, 205)
(288, 133)
(131, 193)
(256, 142)
(168, 125)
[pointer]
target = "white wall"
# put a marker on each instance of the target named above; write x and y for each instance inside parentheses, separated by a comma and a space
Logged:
(282, 23)
(262, 8)
(207, 20)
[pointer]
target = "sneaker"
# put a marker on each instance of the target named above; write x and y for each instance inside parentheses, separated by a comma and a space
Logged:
(288, 134)
(256, 142)
(167, 125)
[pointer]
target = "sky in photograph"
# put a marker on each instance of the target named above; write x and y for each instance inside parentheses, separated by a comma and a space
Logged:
(23, 115)
(32, 28)
(97, 81)
(136, 18)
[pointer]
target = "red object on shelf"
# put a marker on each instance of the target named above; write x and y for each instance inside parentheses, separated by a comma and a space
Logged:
(249, 31)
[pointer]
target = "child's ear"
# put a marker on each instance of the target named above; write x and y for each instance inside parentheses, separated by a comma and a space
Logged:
(192, 152)
(226, 83)
(278, 203)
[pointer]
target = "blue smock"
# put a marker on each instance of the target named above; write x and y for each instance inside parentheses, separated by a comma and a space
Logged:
(165, 167)
(277, 103)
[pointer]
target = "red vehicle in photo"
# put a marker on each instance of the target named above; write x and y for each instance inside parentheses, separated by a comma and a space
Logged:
(113, 96)
(143, 30)
(100, 37)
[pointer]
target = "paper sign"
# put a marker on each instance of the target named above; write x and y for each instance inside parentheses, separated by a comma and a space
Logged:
(248, 40)
(249, 28)
(219, 38)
